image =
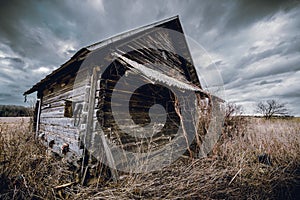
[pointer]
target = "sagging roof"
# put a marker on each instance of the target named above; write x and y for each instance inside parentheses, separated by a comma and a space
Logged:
(159, 77)
(74, 62)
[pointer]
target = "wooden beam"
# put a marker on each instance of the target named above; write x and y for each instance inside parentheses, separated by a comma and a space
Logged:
(109, 157)
(91, 106)
(89, 122)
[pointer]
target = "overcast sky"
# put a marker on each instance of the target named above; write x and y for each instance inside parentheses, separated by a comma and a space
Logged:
(255, 44)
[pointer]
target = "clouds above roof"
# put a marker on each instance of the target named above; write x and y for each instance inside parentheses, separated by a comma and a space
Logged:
(255, 44)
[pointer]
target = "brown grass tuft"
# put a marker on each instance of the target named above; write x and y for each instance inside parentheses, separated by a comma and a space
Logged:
(232, 172)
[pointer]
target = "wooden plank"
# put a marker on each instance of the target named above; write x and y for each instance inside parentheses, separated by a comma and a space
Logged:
(54, 114)
(51, 109)
(61, 121)
(91, 103)
(68, 133)
(60, 95)
(91, 124)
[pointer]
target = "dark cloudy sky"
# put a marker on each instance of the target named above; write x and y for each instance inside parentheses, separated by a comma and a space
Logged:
(254, 43)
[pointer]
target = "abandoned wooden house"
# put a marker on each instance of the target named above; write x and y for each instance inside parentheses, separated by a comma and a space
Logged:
(74, 105)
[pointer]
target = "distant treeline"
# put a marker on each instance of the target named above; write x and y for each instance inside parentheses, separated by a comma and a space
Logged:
(278, 117)
(14, 111)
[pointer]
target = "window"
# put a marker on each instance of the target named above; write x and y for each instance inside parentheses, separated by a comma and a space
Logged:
(68, 109)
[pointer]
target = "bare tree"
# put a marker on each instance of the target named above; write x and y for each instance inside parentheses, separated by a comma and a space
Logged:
(232, 109)
(234, 122)
(272, 108)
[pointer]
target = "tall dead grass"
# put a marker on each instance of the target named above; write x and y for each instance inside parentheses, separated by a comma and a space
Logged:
(231, 172)
(26, 169)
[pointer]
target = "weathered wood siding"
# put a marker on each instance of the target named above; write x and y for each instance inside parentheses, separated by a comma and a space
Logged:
(53, 122)
(163, 55)
(91, 89)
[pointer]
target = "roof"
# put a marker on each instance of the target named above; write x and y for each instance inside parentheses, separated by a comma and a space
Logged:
(159, 77)
(128, 33)
(74, 62)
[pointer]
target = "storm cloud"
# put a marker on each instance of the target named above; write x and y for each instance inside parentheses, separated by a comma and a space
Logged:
(254, 44)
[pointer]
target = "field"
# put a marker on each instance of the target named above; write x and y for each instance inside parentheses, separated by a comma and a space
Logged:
(255, 159)
(13, 120)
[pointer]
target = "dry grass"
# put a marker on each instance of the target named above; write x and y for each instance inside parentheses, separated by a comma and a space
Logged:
(231, 172)
(26, 170)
